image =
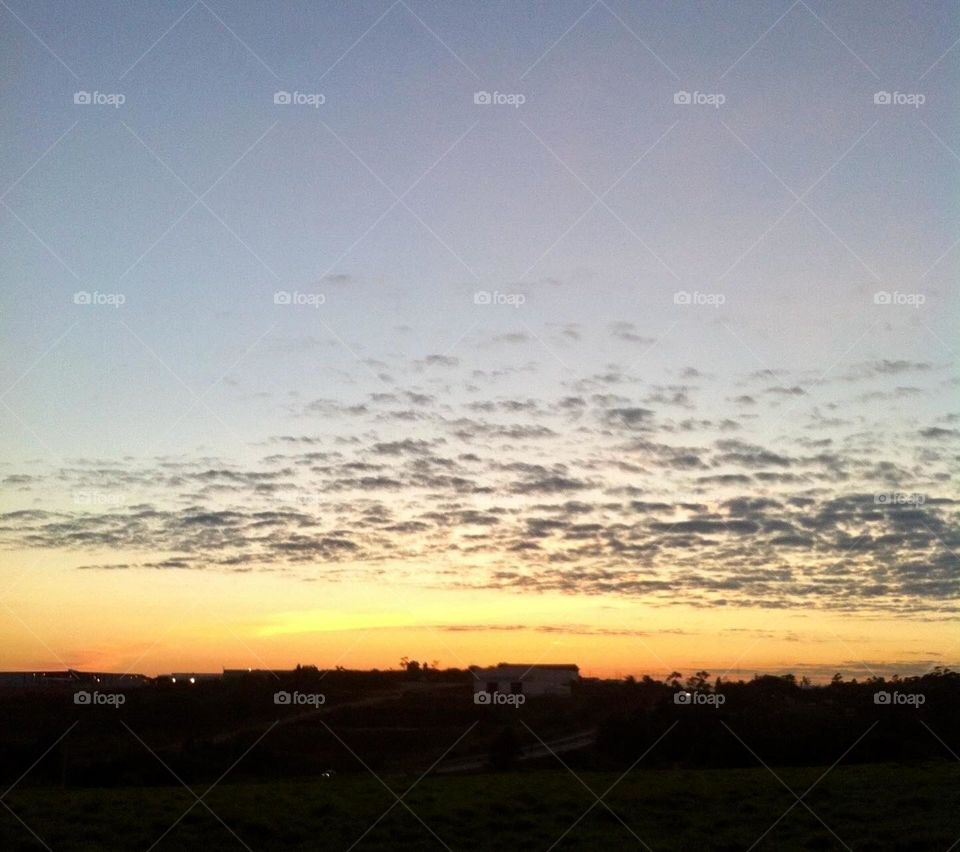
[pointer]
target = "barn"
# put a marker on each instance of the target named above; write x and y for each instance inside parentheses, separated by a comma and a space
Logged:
(526, 678)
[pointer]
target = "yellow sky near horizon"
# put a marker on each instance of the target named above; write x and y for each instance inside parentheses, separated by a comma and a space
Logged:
(161, 621)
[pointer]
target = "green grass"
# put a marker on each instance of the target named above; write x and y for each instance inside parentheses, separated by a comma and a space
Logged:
(869, 807)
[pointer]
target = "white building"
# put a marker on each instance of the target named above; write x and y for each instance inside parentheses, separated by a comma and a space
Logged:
(526, 679)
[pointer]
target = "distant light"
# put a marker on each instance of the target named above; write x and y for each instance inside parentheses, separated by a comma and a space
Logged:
(193, 680)
(173, 680)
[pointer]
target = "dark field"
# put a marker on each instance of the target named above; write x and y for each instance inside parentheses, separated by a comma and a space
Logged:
(672, 775)
(868, 807)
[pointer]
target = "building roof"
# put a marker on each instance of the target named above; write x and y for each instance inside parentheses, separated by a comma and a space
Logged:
(526, 669)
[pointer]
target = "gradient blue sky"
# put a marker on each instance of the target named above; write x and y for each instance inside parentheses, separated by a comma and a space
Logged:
(598, 200)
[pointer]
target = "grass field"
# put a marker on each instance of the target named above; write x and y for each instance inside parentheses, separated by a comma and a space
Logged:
(868, 807)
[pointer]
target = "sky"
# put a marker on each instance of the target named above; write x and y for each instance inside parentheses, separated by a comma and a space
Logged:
(620, 334)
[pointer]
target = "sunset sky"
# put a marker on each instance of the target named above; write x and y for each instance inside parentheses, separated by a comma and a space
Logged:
(587, 373)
